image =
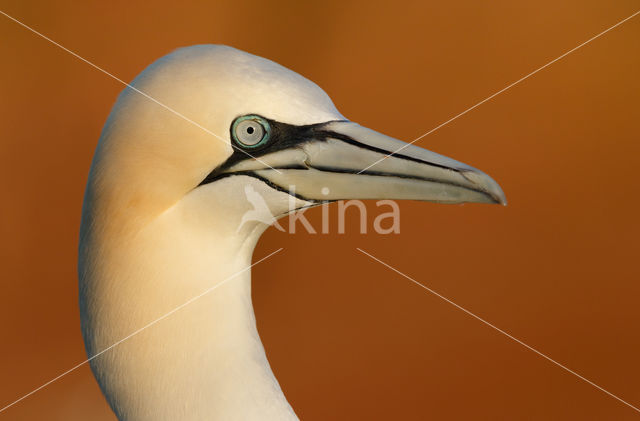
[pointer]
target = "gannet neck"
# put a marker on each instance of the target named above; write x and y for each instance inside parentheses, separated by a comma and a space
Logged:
(176, 200)
(205, 361)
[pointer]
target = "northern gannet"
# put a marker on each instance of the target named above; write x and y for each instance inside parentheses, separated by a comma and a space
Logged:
(162, 222)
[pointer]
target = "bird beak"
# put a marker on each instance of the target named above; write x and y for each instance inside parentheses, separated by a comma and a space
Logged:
(343, 160)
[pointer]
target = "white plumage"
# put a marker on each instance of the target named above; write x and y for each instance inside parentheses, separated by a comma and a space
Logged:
(164, 219)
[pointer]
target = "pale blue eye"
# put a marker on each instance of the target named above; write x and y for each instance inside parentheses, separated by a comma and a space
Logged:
(251, 131)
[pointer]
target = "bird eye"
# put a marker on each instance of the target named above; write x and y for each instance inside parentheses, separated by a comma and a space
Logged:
(251, 131)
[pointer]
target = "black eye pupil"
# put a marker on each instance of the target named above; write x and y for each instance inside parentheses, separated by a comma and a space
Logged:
(250, 130)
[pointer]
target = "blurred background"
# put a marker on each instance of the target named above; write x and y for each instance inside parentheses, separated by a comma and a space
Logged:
(347, 338)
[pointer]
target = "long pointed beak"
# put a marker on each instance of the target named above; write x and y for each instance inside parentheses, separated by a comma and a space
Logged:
(344, 160)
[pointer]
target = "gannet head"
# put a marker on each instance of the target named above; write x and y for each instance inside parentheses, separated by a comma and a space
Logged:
(199, 155)
(236, 118)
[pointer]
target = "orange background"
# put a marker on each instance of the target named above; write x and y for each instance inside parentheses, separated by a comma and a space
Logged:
(347, 338)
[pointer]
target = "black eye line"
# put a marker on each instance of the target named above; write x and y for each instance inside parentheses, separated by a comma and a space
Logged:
(283, 136)
(288, 136)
